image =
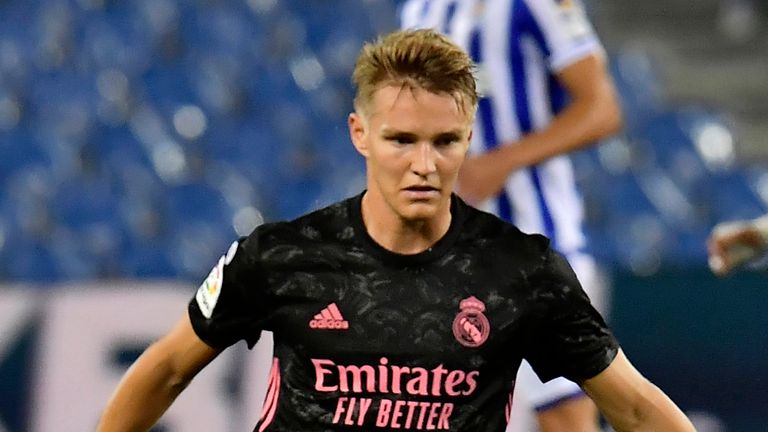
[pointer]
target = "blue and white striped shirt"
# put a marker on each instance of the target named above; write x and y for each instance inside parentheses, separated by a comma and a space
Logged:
(519, 46)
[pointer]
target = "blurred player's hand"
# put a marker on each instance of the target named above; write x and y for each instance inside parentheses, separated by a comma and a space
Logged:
(734, 243)
(481, 177)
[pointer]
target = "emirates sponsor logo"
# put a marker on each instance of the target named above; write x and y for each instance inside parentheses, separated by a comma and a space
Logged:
(329, 318)
(470, 327)
(364, 389)
(388, 378)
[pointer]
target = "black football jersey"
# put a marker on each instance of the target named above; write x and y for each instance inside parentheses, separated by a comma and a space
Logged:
(370, 340)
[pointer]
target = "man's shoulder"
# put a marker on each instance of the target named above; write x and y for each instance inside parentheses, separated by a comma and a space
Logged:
(499, 235)
(322, 225)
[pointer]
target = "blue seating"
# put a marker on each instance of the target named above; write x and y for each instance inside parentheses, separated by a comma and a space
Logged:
(637, 78)
(733, 198)
(19, 152)
(201, 227)
(31, 261)
(89, 193)
(148, 261)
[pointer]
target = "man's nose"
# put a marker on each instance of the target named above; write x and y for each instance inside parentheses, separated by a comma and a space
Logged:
(424, 159)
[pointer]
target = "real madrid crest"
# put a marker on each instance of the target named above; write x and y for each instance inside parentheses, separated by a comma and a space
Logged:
(470, 326)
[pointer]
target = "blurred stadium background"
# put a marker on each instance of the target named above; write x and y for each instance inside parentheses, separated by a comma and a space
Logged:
(139, 138)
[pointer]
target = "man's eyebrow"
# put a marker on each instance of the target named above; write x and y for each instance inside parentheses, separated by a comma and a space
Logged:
(391, 131)
(456, 132)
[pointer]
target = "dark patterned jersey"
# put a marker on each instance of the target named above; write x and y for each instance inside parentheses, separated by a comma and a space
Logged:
(370, 340)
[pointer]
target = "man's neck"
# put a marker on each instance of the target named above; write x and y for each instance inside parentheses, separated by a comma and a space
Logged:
(399, 235)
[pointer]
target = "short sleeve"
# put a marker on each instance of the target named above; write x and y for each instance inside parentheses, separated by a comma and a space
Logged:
(568, 337)
(231, 304)
(562, 30)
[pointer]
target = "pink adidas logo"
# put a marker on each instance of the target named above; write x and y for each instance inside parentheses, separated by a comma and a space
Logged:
(329, 318)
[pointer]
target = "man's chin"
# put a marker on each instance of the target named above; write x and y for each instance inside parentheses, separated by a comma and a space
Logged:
(420, 211)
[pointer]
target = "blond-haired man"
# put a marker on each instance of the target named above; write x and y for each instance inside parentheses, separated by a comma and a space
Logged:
(401, 308)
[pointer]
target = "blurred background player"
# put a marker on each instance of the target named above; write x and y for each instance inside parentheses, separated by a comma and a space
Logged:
(545, 92)
(733, 244)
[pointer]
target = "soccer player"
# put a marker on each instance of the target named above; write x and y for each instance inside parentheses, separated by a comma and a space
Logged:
(732, 244)
(401, 308)
(545, 92)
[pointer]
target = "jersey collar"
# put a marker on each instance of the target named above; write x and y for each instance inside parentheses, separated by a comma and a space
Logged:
(436, 251)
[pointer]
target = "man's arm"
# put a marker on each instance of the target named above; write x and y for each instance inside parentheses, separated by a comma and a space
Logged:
(632, 403)
(593, 113)
(156, 379)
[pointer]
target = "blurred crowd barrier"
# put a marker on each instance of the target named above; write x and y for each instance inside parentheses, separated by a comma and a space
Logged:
(62, 353)
(701, 339)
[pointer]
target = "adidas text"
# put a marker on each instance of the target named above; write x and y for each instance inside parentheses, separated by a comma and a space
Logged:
(328, 324)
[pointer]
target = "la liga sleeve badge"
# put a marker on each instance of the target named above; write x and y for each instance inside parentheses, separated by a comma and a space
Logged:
(208, 294)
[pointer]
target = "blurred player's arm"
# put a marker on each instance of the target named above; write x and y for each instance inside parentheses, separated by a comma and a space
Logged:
(155, 380)
(632, 403)
(732, 244)
(592, 114)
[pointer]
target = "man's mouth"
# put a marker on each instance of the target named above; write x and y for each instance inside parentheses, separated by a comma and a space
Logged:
(422, 193)
(421, 188)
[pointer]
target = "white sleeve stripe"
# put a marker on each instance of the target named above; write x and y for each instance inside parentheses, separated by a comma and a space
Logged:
(558, 63)
(568, 34)
(496, 48)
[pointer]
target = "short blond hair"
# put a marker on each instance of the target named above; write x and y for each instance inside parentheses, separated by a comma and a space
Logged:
(415, 59)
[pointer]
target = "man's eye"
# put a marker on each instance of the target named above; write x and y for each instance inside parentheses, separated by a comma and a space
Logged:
(443, 142)
(401, 140)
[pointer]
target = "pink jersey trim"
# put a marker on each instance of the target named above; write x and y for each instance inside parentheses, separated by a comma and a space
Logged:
(273, 393)
(508, 407)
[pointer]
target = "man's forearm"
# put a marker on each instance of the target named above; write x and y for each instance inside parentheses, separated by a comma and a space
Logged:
(144, 394)
(631, 403)
(656, 412)
(580, 125)
(156, 379)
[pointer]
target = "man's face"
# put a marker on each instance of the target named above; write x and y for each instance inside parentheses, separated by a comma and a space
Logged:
(414, 143)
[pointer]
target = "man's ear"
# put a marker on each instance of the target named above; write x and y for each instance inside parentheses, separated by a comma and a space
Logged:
(358, 129)
(468, 142)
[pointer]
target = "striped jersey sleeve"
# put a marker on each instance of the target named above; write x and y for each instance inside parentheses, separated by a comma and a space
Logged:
(562, 29)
